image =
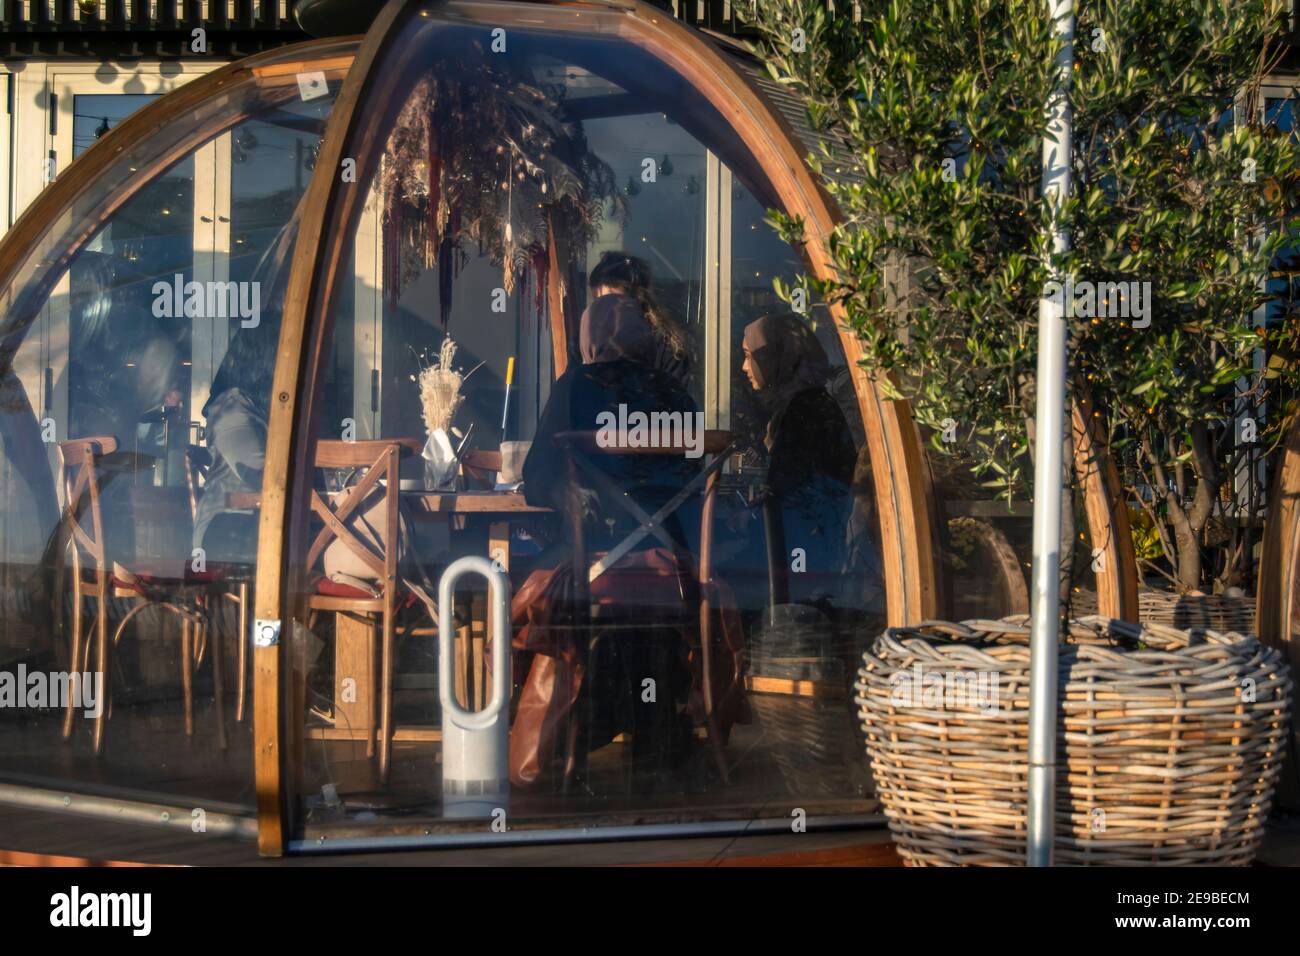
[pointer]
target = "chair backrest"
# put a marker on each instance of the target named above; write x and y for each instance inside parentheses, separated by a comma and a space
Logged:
(480, 466)
(79, 458)
(373, 497)
(715, 442)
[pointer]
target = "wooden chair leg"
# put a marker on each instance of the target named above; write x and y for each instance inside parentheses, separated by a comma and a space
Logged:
(372, 706)
(386, 696)
(242, 638)
(75, 660)
(218, 653)
(187, 673)
(101, 664)
(706, 664)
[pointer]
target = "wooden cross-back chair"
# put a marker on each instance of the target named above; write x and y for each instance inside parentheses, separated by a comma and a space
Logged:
(222, 585)
(97, 573)
(589, 568)
(479, 467)
(378, 553)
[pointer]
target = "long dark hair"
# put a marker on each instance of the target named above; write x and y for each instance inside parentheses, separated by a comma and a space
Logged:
(631, 276)
(249, 364)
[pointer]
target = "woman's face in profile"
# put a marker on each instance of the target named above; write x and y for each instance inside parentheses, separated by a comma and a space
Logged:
(751, 371)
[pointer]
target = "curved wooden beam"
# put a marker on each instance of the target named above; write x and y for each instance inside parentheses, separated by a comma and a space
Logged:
(1279, 576)
(46, 211)
(1280, 554)
(56, 209)
(1011, 577)
(277, 725)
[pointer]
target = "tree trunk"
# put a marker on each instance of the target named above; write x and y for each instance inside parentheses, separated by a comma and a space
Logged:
(1189, 522)
(1188, 543)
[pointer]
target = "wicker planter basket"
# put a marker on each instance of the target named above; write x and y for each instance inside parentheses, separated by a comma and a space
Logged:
(1161, 757)
(1217, 612)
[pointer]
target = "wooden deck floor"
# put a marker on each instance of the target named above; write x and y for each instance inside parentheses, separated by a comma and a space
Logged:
(38, 838)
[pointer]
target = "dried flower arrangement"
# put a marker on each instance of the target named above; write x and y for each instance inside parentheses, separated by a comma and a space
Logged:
(440, 386)
(482, 153)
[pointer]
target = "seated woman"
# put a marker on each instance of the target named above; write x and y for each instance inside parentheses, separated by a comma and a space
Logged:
(630, 352)
(627, 279)
(811, 460)
(627, 348)
(236, 413)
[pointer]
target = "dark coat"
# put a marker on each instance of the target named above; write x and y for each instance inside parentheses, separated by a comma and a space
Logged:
(577, 399)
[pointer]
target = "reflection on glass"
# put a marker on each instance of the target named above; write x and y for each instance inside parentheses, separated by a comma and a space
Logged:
(94, 114)
(133, 422)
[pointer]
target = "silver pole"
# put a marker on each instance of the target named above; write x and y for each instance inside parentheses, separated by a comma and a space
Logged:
(1049, 466)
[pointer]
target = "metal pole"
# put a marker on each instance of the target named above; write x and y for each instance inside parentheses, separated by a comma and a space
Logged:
(1049, 466)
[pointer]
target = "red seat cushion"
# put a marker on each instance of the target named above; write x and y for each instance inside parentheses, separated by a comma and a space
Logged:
(327, 588)
(650, 578)
(155, 574)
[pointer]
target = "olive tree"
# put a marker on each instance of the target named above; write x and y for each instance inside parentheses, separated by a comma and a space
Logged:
(934, 116)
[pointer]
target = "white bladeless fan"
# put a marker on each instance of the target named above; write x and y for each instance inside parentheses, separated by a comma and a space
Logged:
(475, 745)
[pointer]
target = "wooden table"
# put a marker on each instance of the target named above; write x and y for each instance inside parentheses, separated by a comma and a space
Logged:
(354, 710)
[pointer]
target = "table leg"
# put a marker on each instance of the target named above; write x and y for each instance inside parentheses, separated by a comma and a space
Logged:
(354, 677)
(461, 665)
(478, 632)
(498, 552)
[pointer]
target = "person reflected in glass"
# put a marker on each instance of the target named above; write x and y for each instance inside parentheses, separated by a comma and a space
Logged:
(237, 411)
(124, 363)
(806, 496)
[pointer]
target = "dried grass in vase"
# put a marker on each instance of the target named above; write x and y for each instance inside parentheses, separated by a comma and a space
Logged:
(440, 386)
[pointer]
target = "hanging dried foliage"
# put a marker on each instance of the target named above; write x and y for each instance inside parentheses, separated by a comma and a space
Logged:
(482, 153)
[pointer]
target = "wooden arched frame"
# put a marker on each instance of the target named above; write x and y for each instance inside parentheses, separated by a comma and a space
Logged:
(275, 70)
(1279, 565)
(1276, 608)
(906, 505)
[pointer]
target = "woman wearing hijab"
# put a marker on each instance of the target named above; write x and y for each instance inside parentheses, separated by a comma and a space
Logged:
(810, 457)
